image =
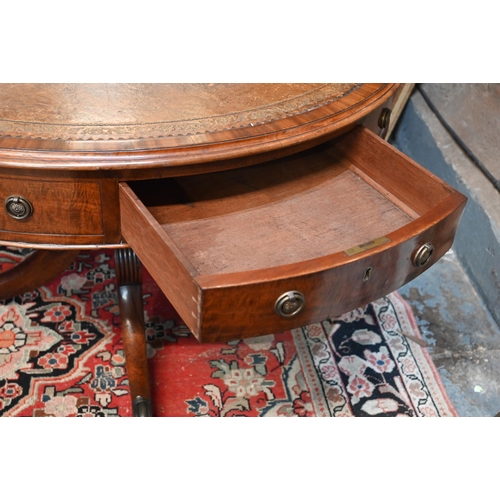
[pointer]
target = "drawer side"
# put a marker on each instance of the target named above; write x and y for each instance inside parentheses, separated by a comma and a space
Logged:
(173, 273)
(413, 188)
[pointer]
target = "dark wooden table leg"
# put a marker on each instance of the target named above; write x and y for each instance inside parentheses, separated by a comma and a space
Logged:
(129, 276)
(34, 271)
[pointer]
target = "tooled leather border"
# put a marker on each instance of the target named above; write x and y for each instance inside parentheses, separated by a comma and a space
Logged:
(309, 101)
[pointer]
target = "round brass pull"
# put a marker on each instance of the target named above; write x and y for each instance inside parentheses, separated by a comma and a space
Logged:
(384, 122)
(422, 255)
(290, 304)
(18, 208)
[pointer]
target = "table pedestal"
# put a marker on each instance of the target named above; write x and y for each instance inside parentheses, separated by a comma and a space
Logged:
(129, 277)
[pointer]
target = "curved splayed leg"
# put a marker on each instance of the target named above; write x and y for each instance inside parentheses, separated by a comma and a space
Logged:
(34, 271)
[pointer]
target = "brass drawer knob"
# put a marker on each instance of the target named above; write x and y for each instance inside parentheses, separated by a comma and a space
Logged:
(383, 122)
(18, 208)
(290, 304)
(422, 255)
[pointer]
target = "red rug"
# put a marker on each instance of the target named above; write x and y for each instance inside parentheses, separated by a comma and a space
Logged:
(61, 355)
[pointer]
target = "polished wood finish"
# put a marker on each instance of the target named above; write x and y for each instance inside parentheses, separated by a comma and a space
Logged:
(223, 247)
(61, 209)
(34, 271)
(118, 112)
(401, 179)
(129, 278)
(290, 211)
(133, 127)
(70, 210)
(69, 146)
(231, 195)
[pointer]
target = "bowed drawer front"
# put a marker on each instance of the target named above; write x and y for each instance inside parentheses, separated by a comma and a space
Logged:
(290, 242)
(50, 211)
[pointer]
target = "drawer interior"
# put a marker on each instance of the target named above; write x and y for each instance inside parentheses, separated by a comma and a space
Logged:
(282, 212)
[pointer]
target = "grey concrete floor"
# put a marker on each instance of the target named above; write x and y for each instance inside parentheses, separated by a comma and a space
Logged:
(421, 136)
(463, 338)
(457, 301)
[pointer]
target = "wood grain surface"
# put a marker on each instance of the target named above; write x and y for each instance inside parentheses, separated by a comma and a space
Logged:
(159, 254)
(129, 280)
(297, 209)
(125, 127)
(47, 152)
(114, 111)
(230, 194)
(60, 208)
(232, 250)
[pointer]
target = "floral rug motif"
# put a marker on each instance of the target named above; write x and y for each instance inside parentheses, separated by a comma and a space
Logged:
(61, 355)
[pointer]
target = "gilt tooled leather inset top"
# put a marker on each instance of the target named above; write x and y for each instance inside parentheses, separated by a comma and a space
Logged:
(128, 126)
(142, 111)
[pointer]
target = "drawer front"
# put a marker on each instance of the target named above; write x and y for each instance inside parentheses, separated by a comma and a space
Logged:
(247, 310)
(49, 211)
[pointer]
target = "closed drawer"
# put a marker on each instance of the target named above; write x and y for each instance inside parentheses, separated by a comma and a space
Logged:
(290, 242)
(58, 210)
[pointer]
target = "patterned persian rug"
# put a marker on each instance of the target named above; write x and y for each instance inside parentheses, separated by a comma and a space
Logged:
(61, 355)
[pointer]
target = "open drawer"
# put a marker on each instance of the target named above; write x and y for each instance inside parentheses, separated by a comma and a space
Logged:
(290, 242)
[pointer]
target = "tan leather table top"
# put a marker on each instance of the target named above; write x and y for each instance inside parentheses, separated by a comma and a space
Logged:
(132, 111)
(213, 121)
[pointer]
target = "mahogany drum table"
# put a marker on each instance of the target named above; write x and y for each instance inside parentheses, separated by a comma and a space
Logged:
(257, 208)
